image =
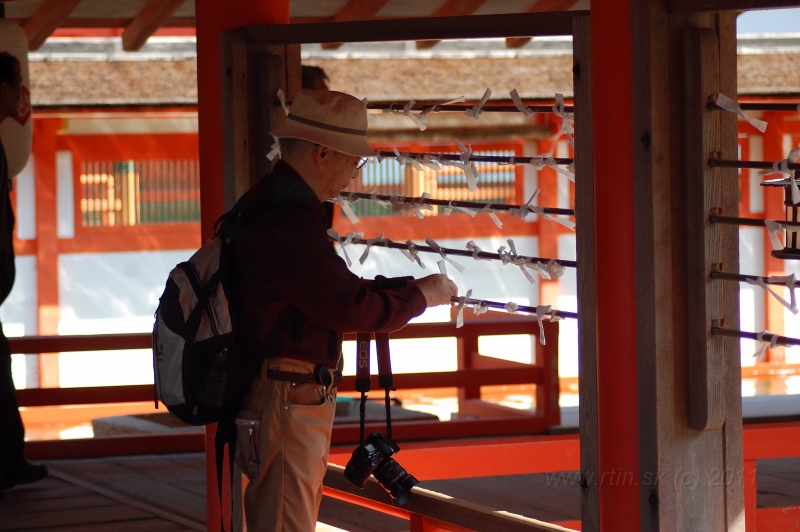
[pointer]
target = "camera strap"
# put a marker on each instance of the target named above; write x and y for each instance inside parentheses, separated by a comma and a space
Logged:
(385, 377)
(363, 381)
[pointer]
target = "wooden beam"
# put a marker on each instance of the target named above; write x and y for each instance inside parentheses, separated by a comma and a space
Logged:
(587, 278)
(452, 8)
(437, 506)
(85, 396)
(732, 431)
(542, 6)
(475, 26)
(355, 10)
(703, 245)
(100, 342)
(175, 22)
(115, 446)
(667, 443)
(151, 17)
(359, 10)
(689, 6)
(50, 15)
(346, 433)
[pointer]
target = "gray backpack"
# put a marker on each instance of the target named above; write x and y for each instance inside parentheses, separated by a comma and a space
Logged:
(200, 374)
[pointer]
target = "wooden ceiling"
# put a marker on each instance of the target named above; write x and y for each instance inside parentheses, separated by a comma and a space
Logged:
(141, 18)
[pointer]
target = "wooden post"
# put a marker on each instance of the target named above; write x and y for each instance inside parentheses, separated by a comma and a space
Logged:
(44, 168)
(212, 17)
(688, 479)
(252, 75)
(587, 300)
(548, 391)
(618, 299)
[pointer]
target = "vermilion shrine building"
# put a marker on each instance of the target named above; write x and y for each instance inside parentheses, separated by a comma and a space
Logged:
(642, 135)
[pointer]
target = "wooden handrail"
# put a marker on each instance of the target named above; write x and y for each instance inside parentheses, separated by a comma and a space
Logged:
(103, 342)
(430, 504)
(99, 342)
(525, 374)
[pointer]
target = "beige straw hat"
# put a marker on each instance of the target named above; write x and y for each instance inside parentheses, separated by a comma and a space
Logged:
(333, 119)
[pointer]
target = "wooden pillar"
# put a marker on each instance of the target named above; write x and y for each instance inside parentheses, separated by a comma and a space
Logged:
(252, 75)
(44, 167)
(587, 300)
(616, 293)
(212, 18)
(688, 479)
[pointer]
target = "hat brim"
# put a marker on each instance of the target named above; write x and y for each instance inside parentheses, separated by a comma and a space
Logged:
(347, 143)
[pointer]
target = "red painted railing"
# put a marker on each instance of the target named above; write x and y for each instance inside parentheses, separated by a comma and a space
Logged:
(473, 372)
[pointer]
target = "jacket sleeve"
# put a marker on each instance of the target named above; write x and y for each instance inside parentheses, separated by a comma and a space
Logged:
(292, 252)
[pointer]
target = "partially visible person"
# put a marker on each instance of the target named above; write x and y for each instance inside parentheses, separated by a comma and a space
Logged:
(14, 468)
(315, 78)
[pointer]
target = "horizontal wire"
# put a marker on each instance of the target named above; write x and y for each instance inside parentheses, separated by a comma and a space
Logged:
(476, 205)
(767, 337)
(726, 276)
(500, 159)
(750, 222)
(389, 243)
(755, 106)
(713, 162)
(520, 308)
(459, 107)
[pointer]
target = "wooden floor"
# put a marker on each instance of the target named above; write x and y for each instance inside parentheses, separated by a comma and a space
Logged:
(167, 493)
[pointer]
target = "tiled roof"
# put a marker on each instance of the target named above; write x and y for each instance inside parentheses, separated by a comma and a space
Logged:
(90, 74)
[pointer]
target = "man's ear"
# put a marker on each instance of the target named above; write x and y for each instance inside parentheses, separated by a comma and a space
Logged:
(323, 155)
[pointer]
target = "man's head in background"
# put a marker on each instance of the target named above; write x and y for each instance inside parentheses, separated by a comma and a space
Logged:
(314, 78)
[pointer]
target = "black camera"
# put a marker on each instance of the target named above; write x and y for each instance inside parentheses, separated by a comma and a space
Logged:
(375, 458)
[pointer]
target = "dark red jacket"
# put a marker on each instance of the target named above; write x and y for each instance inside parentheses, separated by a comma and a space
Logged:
(283, 256)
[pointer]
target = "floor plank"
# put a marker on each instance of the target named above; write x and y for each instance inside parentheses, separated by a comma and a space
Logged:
(37, 520)
(61, 503)
(142, 525)
(342, 515)
(135, 478)
(173, 483)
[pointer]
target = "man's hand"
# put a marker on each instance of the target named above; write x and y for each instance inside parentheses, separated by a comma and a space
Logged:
(437, 289)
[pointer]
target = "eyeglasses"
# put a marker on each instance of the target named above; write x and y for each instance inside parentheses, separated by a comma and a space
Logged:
(361, 162)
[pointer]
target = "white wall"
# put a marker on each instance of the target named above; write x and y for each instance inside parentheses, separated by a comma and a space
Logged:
(107, 293)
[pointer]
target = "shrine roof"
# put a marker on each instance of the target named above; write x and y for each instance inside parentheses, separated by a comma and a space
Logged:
(97, 72)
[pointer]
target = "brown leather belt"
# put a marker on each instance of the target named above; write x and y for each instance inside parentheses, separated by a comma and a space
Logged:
(305, 378)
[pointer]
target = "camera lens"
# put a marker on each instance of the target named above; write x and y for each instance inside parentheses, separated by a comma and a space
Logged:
(395, 479)
(375, 458)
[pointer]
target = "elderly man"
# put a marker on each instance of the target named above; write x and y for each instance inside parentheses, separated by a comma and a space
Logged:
(14, 468)
(284, 271)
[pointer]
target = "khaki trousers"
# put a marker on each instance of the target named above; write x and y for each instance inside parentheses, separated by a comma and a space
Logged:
(282, 444)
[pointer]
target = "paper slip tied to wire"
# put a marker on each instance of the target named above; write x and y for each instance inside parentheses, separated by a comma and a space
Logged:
(418, 205)
(547, 268)
(479, 306)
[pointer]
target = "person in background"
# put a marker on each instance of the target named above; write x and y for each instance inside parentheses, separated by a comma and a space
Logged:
(315, 78)
(14, 468)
